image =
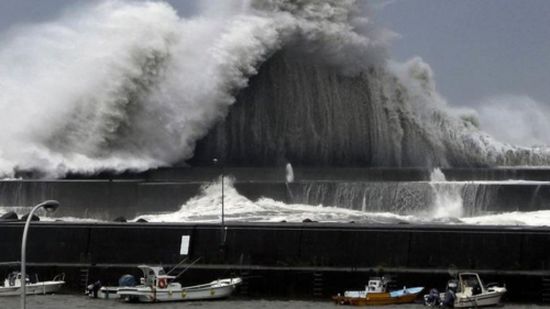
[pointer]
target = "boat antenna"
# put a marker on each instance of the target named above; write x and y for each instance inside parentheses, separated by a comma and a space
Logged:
(186, 268)
(171, 270)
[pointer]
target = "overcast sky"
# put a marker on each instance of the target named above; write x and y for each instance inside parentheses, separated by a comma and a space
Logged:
(477, 48)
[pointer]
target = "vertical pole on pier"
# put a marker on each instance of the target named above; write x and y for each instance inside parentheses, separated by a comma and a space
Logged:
(222, 230)
(223, 210)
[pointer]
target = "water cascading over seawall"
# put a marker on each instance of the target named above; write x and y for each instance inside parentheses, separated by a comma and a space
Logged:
(401, 192)
(301, 110)
(424, 198)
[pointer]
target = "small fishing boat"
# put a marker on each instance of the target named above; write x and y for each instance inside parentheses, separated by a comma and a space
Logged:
(377, 292)
(467, 291)
(157, 286)
(12, 285)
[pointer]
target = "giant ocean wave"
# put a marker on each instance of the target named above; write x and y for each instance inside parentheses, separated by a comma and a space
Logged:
(120, 85)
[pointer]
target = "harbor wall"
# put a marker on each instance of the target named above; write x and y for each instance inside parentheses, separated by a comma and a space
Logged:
(108, 199)
(107, 196)
(273, 257)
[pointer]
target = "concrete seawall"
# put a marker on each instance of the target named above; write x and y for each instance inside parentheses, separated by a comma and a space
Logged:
(275, 257)
(106, 199)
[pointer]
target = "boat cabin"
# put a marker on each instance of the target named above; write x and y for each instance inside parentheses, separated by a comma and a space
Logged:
(377, 285)
(154, 276)
(470, 284)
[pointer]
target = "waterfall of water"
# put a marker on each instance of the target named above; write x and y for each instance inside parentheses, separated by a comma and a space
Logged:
(289, 173)
(447, 202)
(397, 197)
(289, 179)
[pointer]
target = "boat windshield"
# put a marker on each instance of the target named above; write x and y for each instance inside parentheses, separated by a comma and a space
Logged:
(162, 272)
(471, 280)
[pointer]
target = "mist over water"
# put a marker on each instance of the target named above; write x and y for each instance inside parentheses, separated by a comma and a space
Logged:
(518, 120)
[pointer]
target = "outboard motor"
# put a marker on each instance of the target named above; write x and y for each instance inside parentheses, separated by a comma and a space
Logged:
(93, 289)
(11, 278)
(432, 299)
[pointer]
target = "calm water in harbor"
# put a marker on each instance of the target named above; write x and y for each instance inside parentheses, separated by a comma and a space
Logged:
(78, 301)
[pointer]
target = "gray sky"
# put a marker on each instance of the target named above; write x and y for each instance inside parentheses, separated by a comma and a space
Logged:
(476, 48)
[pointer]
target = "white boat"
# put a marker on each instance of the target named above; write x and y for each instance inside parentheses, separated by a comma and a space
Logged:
(469, 291)
(12, 285)
(156, 286)
(473, 293)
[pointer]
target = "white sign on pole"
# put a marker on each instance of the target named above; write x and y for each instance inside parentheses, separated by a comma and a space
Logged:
(184, 248)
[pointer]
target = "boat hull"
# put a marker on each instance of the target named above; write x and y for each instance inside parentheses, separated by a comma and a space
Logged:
(482, 300)
(373, 299)
(46, 287)
(213, 290)
(108, 292)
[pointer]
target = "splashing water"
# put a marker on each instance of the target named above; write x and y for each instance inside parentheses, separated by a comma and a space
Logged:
(289, 173)
(131, 85)
(448, 196)
(206, 207)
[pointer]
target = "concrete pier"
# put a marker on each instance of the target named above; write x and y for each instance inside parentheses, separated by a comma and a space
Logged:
(299, 260)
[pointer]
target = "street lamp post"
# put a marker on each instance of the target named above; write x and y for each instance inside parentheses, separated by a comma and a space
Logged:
(50, 206)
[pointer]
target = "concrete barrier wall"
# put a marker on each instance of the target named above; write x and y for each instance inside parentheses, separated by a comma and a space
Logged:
(282, 245)
(107, 200)
(287, 260)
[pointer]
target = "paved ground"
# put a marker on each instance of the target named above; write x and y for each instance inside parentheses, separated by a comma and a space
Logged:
(77, 302)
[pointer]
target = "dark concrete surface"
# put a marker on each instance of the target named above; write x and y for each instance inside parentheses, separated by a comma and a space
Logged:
(282, 260)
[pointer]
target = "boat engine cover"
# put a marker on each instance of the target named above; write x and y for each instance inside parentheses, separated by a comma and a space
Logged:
(127, 280)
